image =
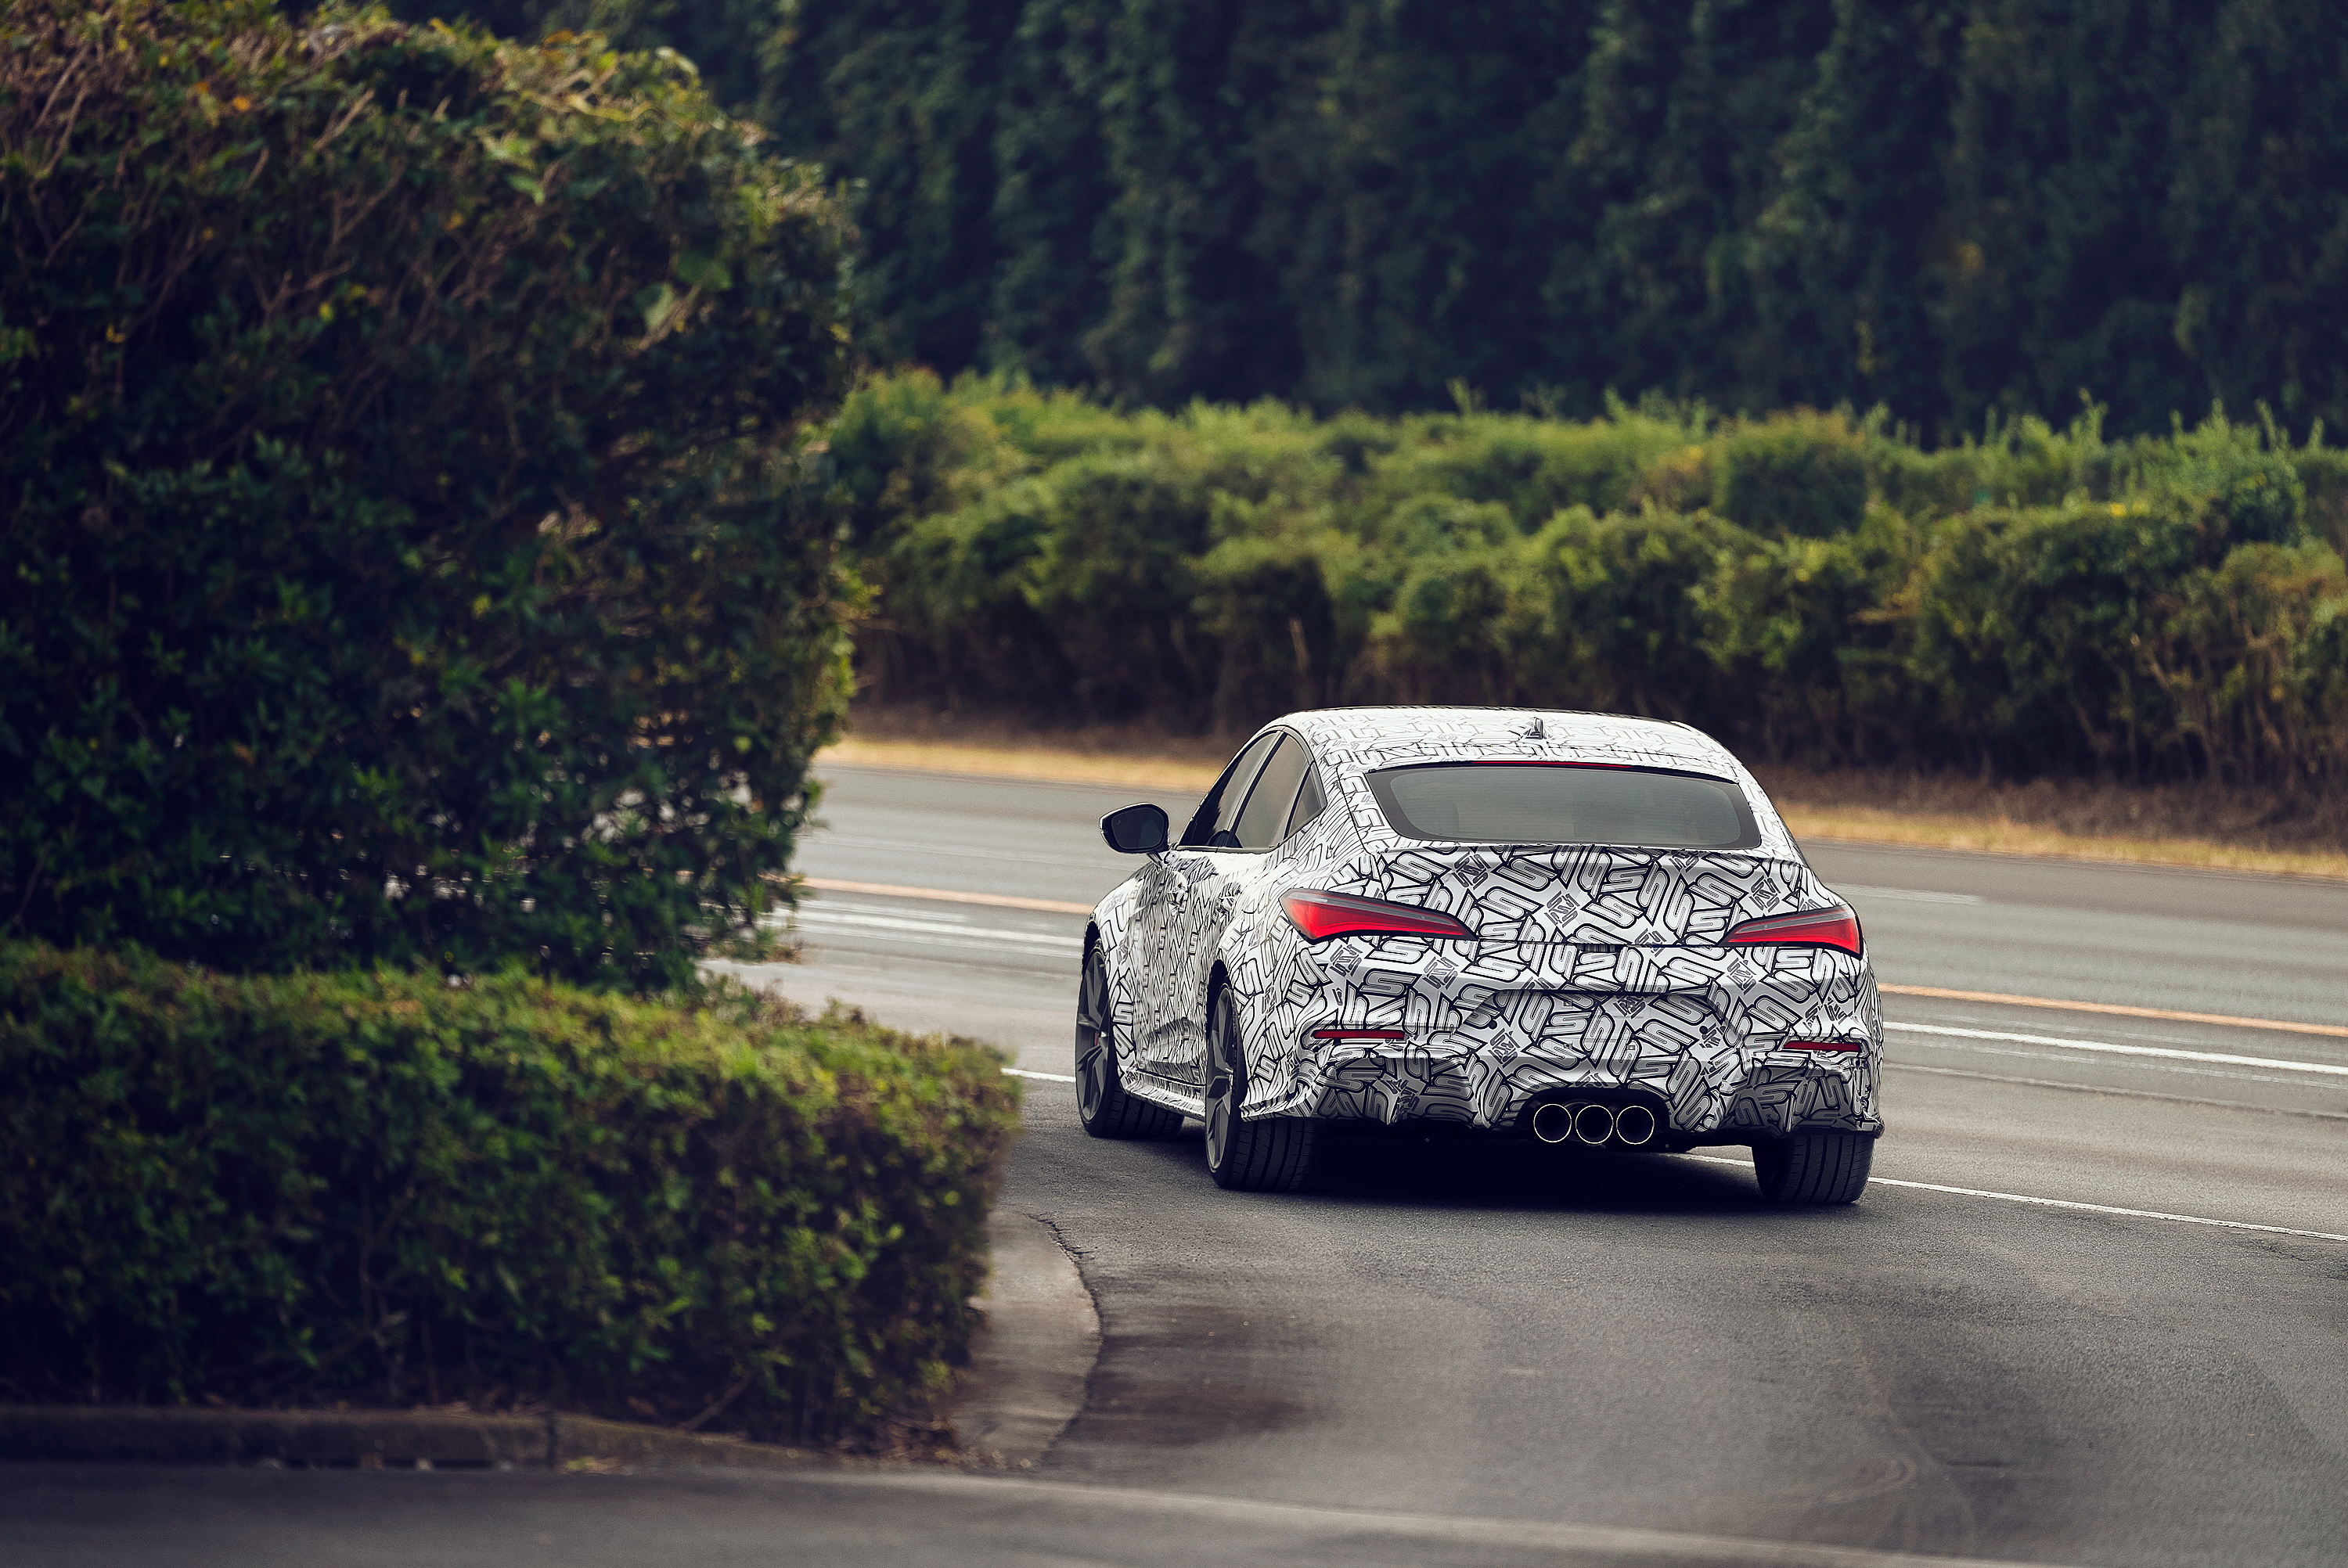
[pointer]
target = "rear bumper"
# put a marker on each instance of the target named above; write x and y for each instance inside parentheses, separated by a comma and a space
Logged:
(1734, 1095)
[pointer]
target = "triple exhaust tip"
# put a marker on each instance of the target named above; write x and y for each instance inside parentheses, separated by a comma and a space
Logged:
(1586, 1121)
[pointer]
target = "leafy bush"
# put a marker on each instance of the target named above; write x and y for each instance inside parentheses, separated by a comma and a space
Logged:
(411, 553)
(1615, 621)
(383, 1189)
(1800, 474)
(2028, 625)
(2253, 654)
(1803, 633)
(2038, 600)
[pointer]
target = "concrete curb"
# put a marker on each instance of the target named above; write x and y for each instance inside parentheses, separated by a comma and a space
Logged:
(1029, 1366)
(367, 1440)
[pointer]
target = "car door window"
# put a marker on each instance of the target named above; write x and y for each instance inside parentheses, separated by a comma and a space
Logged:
(1266, 812)
(1220, 812)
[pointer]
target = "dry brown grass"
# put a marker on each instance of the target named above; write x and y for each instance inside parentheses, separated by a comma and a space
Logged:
(2200, 826)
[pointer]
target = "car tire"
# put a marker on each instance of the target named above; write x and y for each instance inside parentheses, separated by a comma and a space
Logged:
(1103, 1106)
(1270, 1155)
(1814, 1168)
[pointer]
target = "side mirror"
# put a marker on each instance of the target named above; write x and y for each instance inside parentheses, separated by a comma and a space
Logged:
(1136, 829)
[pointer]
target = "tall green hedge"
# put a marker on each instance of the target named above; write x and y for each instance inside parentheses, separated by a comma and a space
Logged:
(412, 554)
(378, 1187)
(1808, 586)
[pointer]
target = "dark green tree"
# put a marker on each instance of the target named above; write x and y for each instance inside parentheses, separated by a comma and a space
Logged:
(1954, 207)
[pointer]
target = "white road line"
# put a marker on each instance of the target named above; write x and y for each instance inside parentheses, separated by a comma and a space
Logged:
(1046, 1077)
(942, 895)
(2169, 1067)
(2076, 1087)
(2059, 1204)
(1105, 861)
(1909, 895)
(812, 913)
(893, 911)
(2174, 1055)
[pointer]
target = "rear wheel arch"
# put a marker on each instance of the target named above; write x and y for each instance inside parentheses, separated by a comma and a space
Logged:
(1218, 981)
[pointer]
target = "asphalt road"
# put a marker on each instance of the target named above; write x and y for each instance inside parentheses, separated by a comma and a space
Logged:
(1492, 1353)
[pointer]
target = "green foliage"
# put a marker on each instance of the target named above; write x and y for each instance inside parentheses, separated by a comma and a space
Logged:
(2034, 599)
(1804, 629)
(2027, 624)
(1957, 209)
(413, 555)
(1794, 474)
(2254, 656)
(380, 1188)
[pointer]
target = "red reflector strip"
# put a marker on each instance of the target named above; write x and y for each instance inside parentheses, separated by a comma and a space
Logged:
(1822, 1045)
(1319, 915)
(1833, 927)
(1357, 1034)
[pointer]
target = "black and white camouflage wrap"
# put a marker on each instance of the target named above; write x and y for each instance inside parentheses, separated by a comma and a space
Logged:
(1596, 968)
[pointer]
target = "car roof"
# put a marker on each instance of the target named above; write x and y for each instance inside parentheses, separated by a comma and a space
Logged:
(1362, 739)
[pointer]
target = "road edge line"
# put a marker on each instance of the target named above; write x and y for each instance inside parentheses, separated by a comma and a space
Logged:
(2222, 1057)
(2110, 1089)
(2063, 1204)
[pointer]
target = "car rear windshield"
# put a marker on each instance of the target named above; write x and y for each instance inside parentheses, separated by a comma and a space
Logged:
(1549, 803)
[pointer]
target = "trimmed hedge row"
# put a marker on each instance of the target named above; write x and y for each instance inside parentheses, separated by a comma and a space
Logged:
(379, 1188)
(1809, 586)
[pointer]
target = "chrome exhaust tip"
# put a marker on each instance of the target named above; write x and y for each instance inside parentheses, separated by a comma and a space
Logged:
(1553, 1123)
(1634, 1126)
(1593, 1124)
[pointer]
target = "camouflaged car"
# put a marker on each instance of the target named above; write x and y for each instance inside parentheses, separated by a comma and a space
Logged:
(1579, 928)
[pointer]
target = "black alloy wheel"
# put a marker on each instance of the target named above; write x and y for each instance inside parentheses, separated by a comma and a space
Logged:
(1103, 1106)
(1269, 1154)
(1814, 1168)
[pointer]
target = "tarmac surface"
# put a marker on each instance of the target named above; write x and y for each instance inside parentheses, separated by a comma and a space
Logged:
(1491, 1353)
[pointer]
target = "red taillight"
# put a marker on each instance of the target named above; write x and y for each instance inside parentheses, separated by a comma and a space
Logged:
(1321, 916)
(1837, 927)
(1357, 1034)
(1822, 1045)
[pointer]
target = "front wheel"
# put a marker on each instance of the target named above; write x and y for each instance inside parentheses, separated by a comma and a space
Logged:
(1814, 1168)
(1270, 1155)
(1103, 1106)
